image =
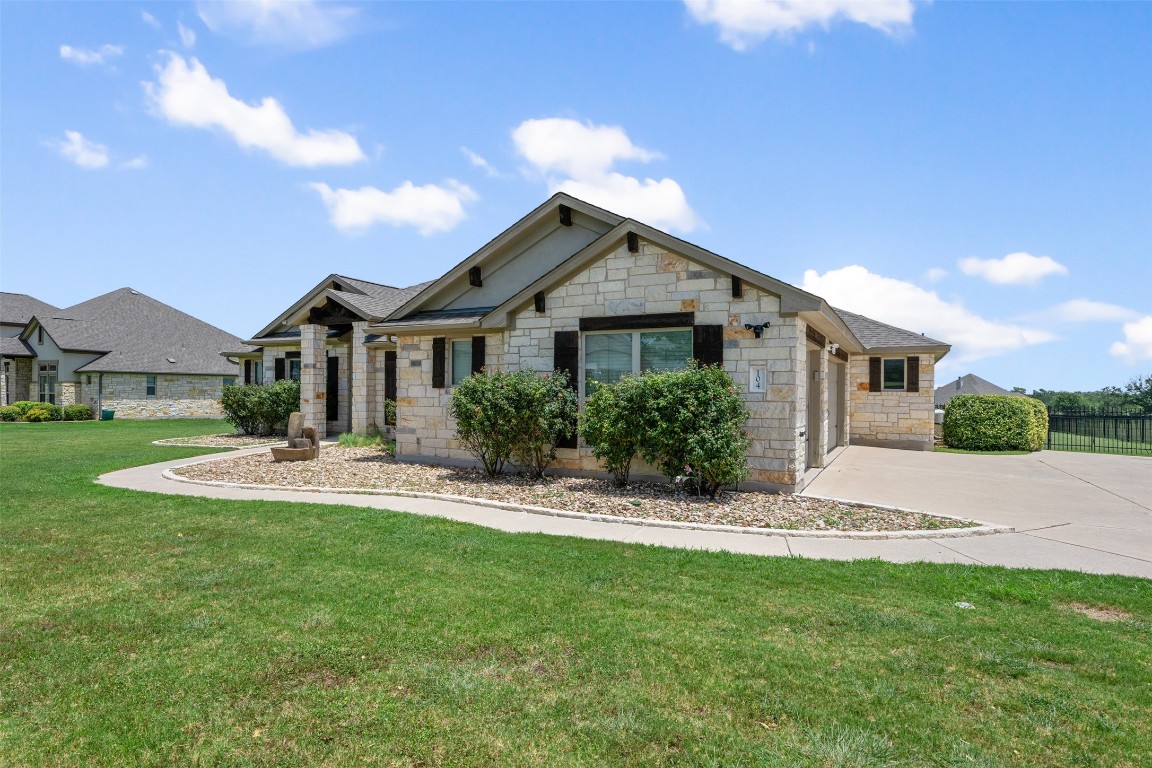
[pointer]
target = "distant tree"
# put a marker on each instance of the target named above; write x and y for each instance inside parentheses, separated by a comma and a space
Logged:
(1139, 392)
(1019, 390)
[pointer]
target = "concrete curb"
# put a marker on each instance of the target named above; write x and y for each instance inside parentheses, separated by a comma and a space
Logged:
(985, 529)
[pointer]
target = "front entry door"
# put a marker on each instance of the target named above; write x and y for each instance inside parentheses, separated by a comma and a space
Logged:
(332, 403)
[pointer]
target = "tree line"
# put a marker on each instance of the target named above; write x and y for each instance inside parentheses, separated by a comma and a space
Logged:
(1135, 396)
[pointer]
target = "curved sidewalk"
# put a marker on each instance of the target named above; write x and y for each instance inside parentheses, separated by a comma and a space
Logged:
(1010, 549)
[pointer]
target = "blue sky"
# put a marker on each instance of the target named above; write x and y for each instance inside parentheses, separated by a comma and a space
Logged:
(979, 172)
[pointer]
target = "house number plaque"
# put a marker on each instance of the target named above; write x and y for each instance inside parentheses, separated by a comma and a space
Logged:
(756, 380)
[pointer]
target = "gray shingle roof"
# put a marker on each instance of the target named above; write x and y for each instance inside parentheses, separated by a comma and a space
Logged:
(874, 334)
(139, 334)
(439, 317)
(18, 308)
(970, 384)
(378, 301)
(10, 346)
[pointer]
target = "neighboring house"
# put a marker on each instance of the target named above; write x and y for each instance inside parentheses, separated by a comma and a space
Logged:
(576, 288)
(970, 384)
(121, 351)
(343, 307)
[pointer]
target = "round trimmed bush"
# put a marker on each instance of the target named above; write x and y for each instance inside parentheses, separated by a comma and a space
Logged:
(9, 413)
(26, 405)
(995, 423)
(36, 415)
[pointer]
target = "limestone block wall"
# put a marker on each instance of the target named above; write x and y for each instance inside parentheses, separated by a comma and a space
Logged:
(652, 281)
(892, 419)
(178, 396)
(17, 382)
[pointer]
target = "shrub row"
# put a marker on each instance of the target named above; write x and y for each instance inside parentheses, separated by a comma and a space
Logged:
(518, 417)
(995, 423)
(688, 423)
(30, 410)
(260, 410)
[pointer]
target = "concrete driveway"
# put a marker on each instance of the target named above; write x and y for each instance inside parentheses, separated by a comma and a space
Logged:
(1083, 511)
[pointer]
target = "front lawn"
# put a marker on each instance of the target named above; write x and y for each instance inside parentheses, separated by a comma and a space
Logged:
(139, 629)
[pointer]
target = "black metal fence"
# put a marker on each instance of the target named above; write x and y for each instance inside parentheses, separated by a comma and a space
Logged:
(1100, 430)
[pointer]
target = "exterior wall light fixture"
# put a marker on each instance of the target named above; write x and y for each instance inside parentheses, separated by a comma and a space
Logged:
(756, 329)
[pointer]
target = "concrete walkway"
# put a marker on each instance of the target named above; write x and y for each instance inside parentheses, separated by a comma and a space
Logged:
(1040, 499)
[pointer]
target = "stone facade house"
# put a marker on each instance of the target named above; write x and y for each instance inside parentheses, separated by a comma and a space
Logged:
(577, 288)
(122, 351)
(320, 341)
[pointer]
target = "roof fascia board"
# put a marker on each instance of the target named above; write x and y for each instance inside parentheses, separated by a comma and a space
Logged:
(502, 240)
(939, 350)
(424, 329)
(832, 325)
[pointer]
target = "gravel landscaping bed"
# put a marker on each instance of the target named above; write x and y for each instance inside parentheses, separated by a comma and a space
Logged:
(222, 441)
(372, 468)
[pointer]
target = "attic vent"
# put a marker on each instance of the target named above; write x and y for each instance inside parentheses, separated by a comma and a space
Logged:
(633, 243)
(565, 215)
(474, 279)
(134, 293)
(172, 360)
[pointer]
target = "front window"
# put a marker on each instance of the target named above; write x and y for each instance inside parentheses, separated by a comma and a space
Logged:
(229, 380)
(150, 386)
(257, 372)
(608, 357)
(294, 369)
(461, 360)
(894, 374)
(47, 379)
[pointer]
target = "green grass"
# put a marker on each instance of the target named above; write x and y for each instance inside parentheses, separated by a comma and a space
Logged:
(139, 629)
(1066, 441)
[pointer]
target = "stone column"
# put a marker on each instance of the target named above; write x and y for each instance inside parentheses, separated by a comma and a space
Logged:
(362, 384)
(313, 377)
(268, 376)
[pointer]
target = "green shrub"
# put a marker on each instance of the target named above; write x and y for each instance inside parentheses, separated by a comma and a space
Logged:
(26, 405)
(504, 416)
(390, 412)
(695, 428)
(688, 423)
(614, 421)
(77, 412)
(9, 413)
(995, 423)
(36, 415)
(258, 410)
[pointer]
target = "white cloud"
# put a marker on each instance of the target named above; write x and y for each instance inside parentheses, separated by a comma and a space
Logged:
(295, 24)
(1014, 269)
(578, 158)
(744, 23)
(1137, 344)
(430, 208)
(136, 163)
(87, 57)
(935, 275)
(81, 151)
(149, 19)
(185, 94)
(480, 162)
(1086, 311)
(187, 36)
(913, 308)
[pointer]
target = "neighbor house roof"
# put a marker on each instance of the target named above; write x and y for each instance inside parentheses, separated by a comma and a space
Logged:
(18, 308)
(970, 384)
(138, 334)
(881, 337)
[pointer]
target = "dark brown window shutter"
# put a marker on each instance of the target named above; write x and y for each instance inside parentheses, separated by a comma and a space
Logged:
(332, 395)
(438, 351)
(279, 369)
(708, 344)
(477, 354)
(875, 375)
(389, 375)
(912, 374)
(247, 371)
(566, 357)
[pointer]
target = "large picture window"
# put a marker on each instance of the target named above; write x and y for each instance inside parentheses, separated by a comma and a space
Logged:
(47, 381)
(610, 356)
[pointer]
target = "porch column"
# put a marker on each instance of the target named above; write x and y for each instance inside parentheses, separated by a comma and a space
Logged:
(313, 377)
(363, 380)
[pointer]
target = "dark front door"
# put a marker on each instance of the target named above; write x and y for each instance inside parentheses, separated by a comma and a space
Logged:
(390, 376)
(333, 387)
